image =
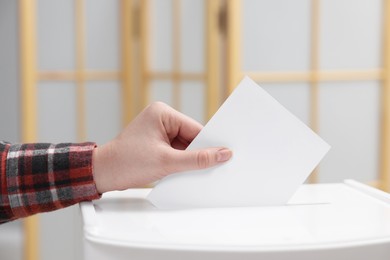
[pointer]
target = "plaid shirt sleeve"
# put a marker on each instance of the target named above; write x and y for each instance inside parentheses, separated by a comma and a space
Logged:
(42, 177)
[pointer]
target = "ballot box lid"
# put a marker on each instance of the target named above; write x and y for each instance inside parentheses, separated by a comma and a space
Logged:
(317, 216)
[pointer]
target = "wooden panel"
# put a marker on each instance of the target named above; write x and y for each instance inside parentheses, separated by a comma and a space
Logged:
(212, 57)
(144, 50)
(385, 131)
(28, 70)
(314, 77)
(127, 41)
(317, 75)
(176, 45)
(171, 76)
(27, 10)
(73, 76)
(233, 44)
(80, 68)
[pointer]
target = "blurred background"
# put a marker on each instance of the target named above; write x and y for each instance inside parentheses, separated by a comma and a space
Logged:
(80, 70)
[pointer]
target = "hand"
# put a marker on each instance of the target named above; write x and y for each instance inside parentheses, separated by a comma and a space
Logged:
(150, 148)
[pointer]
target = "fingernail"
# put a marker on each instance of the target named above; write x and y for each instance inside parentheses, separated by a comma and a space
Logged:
(223, 155)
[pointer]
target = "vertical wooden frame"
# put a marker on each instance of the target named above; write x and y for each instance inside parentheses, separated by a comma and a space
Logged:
(144, 51)
(233, 43)
(28, 70)
(212, 11)
(80, 69)
(314, 73)
(28, 73)
(385, 103)
(127, 41)
(176, 41)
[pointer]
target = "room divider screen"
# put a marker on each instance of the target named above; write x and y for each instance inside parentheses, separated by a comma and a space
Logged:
(191, 54)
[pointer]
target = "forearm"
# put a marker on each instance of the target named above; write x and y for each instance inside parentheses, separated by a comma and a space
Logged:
(44, 177)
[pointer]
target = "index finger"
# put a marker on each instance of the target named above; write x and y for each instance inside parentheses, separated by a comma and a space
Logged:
(180, 126)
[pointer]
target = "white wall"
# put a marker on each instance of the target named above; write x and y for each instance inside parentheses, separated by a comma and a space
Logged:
(10, 233)
(9, 92)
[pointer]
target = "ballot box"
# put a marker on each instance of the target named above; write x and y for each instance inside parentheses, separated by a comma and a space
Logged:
(321, 221)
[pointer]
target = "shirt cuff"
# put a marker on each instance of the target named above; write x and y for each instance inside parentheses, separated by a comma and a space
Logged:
(5, 209)
(44, 177)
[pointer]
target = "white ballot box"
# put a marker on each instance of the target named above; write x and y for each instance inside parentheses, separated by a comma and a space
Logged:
(322, 221)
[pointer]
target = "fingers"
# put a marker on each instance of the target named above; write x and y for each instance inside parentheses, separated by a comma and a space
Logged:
(198, 159)
(189, 128)
(179, 144)
(180, 126)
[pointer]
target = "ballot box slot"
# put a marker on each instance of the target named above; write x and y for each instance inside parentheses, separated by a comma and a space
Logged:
(307, 204)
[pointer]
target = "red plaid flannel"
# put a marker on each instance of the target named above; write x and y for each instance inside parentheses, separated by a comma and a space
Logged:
(43, 177)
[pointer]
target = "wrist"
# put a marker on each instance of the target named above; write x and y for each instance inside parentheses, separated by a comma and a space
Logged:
(100, 163)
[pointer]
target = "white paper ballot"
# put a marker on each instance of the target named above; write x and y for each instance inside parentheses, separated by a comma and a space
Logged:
(273, 154)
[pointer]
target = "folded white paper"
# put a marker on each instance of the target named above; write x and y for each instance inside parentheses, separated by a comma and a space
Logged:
(273, 154)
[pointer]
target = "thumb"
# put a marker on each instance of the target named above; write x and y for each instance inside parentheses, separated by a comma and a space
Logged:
(199, 159)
